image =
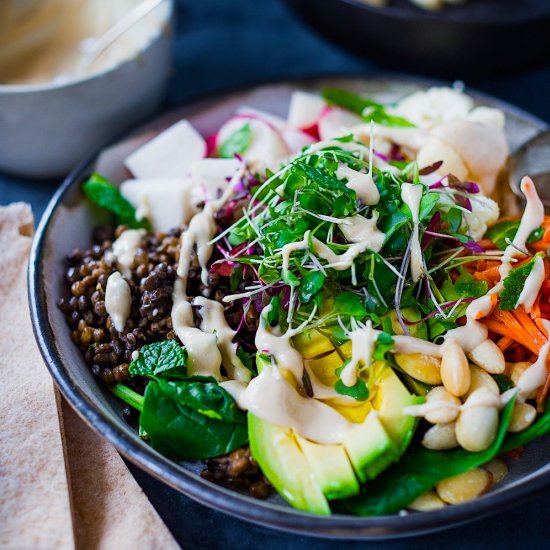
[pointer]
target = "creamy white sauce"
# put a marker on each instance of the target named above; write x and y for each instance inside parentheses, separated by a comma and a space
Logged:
(363, 184)
(410, 345)
(473, 333)
(361, 230)
(363, 341)
(532, 285)
(270, 397)
(411, 194)
(118, 300)
(289, 248)
(124, 250)
(214, 322)
(204, 357)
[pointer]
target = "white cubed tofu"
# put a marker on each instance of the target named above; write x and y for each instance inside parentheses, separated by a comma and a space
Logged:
(336, 122)
(305, 109)
(167, 203)
(168, 155)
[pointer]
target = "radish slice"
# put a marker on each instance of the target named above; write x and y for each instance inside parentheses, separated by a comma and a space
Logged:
(296, 140)
(166, 203)
(305, 110)
(266, 148)
(212, 176)
(335, 122)
(168, 155)
(276, 122)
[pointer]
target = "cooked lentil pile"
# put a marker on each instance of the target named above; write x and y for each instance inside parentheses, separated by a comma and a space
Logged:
(108, 352)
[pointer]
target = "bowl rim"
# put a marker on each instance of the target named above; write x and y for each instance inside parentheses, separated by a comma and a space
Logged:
(209, 494)
(52, 85)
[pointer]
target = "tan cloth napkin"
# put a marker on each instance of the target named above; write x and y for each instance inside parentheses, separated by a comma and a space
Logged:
(61, 485)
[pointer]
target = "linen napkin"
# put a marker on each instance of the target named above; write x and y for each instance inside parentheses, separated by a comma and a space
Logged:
(61, 485)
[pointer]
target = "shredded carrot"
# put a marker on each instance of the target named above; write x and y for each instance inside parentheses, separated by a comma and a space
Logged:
(527, 323)
(505, 342)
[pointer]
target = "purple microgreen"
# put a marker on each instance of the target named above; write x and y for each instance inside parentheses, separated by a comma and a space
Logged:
(427, 170)
(433, 226)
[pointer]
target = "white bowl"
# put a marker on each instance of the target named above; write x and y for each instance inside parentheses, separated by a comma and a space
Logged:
(45, 129)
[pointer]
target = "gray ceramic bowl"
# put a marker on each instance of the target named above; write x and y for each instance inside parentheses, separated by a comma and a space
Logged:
(68, 223)
(46, 129)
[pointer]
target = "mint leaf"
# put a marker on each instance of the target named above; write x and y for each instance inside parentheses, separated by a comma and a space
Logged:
(311, 283)
(102, 192)
(165, 359)
(507, 229)
(237, 143)
(513, 286)
(359, 391)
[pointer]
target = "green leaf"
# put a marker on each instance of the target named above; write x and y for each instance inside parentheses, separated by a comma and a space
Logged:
(427, 205)
(274, 314)
(467, 286)
(513, 286)
(349, 303)
(237, 143)
(418, 471)
(368, 109)
(167, 359)
(359, 391)
(311, 282)
(188, 420)
(507, 229)
(102, 192)
(384, 344)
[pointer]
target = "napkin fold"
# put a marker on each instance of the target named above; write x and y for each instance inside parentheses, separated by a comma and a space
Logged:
(62, 486)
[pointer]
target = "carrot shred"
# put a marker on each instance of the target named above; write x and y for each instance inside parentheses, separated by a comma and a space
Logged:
(505, 342)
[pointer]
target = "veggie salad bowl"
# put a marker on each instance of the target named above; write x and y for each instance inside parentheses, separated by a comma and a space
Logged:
(315, 306)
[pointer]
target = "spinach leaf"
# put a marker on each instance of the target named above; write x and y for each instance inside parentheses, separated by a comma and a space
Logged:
(359, 391)
(166, 359)
(368, 109)
(384, 344)
(348, 303)
(418, 471)
(237, 143)
(188, 420)
(507, 229)
(102, 192)
(513, 286)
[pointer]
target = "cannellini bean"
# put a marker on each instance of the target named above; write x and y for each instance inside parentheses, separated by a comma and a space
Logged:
(421, 367)
(481, 379)
(522, 417)
(464, 487)
(477, 424)
(440, 437)
(516, 371)
(442, 406)
(427, 502)
(455, 371)
(497, 468)
(489, 357)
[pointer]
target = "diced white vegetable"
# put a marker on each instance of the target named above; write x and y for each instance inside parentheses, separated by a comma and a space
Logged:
(305, 109)
(485, 212)
(266, 148)
(168, 155)
(296, 140)
(337, 122)
(433, 106)
(167, 203)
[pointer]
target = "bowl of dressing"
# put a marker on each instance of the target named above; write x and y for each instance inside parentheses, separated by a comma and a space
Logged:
(56, 105)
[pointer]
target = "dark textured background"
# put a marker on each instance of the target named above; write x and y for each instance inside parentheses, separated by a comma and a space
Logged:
(223, 44)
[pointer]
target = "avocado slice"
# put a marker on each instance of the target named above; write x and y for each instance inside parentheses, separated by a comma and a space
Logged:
(331, 467)
(276, 451)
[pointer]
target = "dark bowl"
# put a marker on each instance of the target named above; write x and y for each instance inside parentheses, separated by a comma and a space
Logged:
(478, 38)
(67, 224)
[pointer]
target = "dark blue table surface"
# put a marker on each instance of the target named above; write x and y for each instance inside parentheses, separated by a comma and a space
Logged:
(221, 45)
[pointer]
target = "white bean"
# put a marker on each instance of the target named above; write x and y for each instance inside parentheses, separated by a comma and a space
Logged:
(522, 417)
(455, 371)
(442, 406)
(497, 468)
(440, 437)
(464, 487)
(427, 502)
(481, 379)
(477, 424)
(489, 357)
